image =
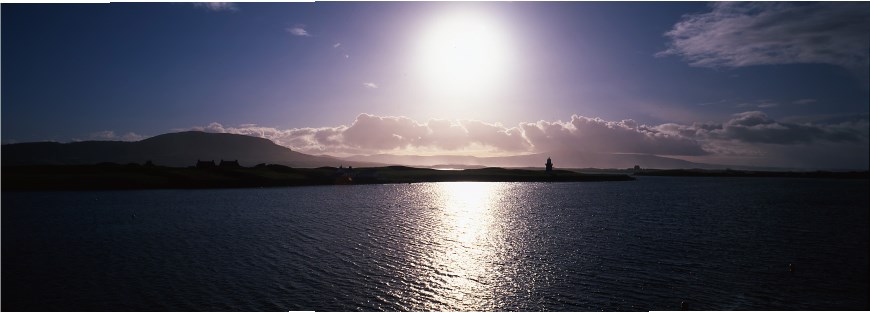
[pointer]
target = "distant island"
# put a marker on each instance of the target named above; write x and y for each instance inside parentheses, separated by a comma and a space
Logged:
(110, 176)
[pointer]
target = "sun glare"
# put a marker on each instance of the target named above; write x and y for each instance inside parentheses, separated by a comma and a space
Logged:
(466, 235)
(463, 53)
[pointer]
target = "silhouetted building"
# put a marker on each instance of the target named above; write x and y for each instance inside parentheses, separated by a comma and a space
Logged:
(549, 165)
(205, 164)
(636, 168)
(344, 175)
(229, 164)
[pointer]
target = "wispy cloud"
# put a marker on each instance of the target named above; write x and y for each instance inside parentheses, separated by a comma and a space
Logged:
(109, 135)
(767, 104)
(370, 85)
(298, 30)
(217, 6)
(737, 34)
(757, 104)
(804, 101)
(341, 49)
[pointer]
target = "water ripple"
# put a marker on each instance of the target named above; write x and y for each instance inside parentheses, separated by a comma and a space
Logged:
(718, 244)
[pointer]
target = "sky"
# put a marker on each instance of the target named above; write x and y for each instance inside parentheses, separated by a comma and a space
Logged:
(761, 84)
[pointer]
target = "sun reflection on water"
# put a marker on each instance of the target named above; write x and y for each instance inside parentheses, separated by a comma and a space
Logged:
(465, 262)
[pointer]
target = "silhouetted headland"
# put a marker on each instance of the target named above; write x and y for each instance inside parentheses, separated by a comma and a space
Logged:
(179, 149)
(110, 176)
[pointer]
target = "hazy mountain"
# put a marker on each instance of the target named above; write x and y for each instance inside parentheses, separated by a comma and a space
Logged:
(183, 149)
(179, 149)
(561, 159)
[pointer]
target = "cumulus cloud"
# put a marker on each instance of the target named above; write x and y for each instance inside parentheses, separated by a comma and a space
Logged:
(495, 135)
(370, 85)
(756, 127)
(109, 135)
(370, 134)
(298, 30)
(373, 134)
(595, 134)
(217, 6)
(747, 134)
(737, 34)
(384, 133)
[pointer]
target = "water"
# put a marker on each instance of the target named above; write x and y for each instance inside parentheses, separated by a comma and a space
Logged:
(715, 243)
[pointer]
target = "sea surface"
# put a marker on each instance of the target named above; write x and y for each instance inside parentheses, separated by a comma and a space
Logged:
(650, 244)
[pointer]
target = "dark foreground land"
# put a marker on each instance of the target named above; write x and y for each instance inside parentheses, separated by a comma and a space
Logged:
(757, 174)
(133, 176)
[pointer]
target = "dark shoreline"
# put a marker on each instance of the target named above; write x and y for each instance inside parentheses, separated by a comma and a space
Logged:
(754, 174)
(134, 176)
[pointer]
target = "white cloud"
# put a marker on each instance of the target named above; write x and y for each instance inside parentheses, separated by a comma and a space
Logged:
(109, 135)
(336, 45)
(598, 135)
(298, 30)
(737, 34)
(804, 101)
(750, 134)
(370, 85)
(217, 6)
(370, 134)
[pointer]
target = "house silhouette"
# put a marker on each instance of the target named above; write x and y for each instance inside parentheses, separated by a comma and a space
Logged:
(229, 164)
(205, 164)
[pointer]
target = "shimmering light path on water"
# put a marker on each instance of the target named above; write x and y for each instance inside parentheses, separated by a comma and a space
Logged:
(716, 243)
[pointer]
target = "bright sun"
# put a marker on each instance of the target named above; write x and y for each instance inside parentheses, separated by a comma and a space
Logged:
(463, 53)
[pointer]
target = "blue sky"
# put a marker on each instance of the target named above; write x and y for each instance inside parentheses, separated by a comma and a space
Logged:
(750, 84)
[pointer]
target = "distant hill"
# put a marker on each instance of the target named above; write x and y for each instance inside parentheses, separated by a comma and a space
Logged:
(179, 149)
(562, 159)
(183, 149)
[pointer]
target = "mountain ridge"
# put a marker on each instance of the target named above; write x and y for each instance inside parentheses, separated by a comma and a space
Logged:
(177, 149)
